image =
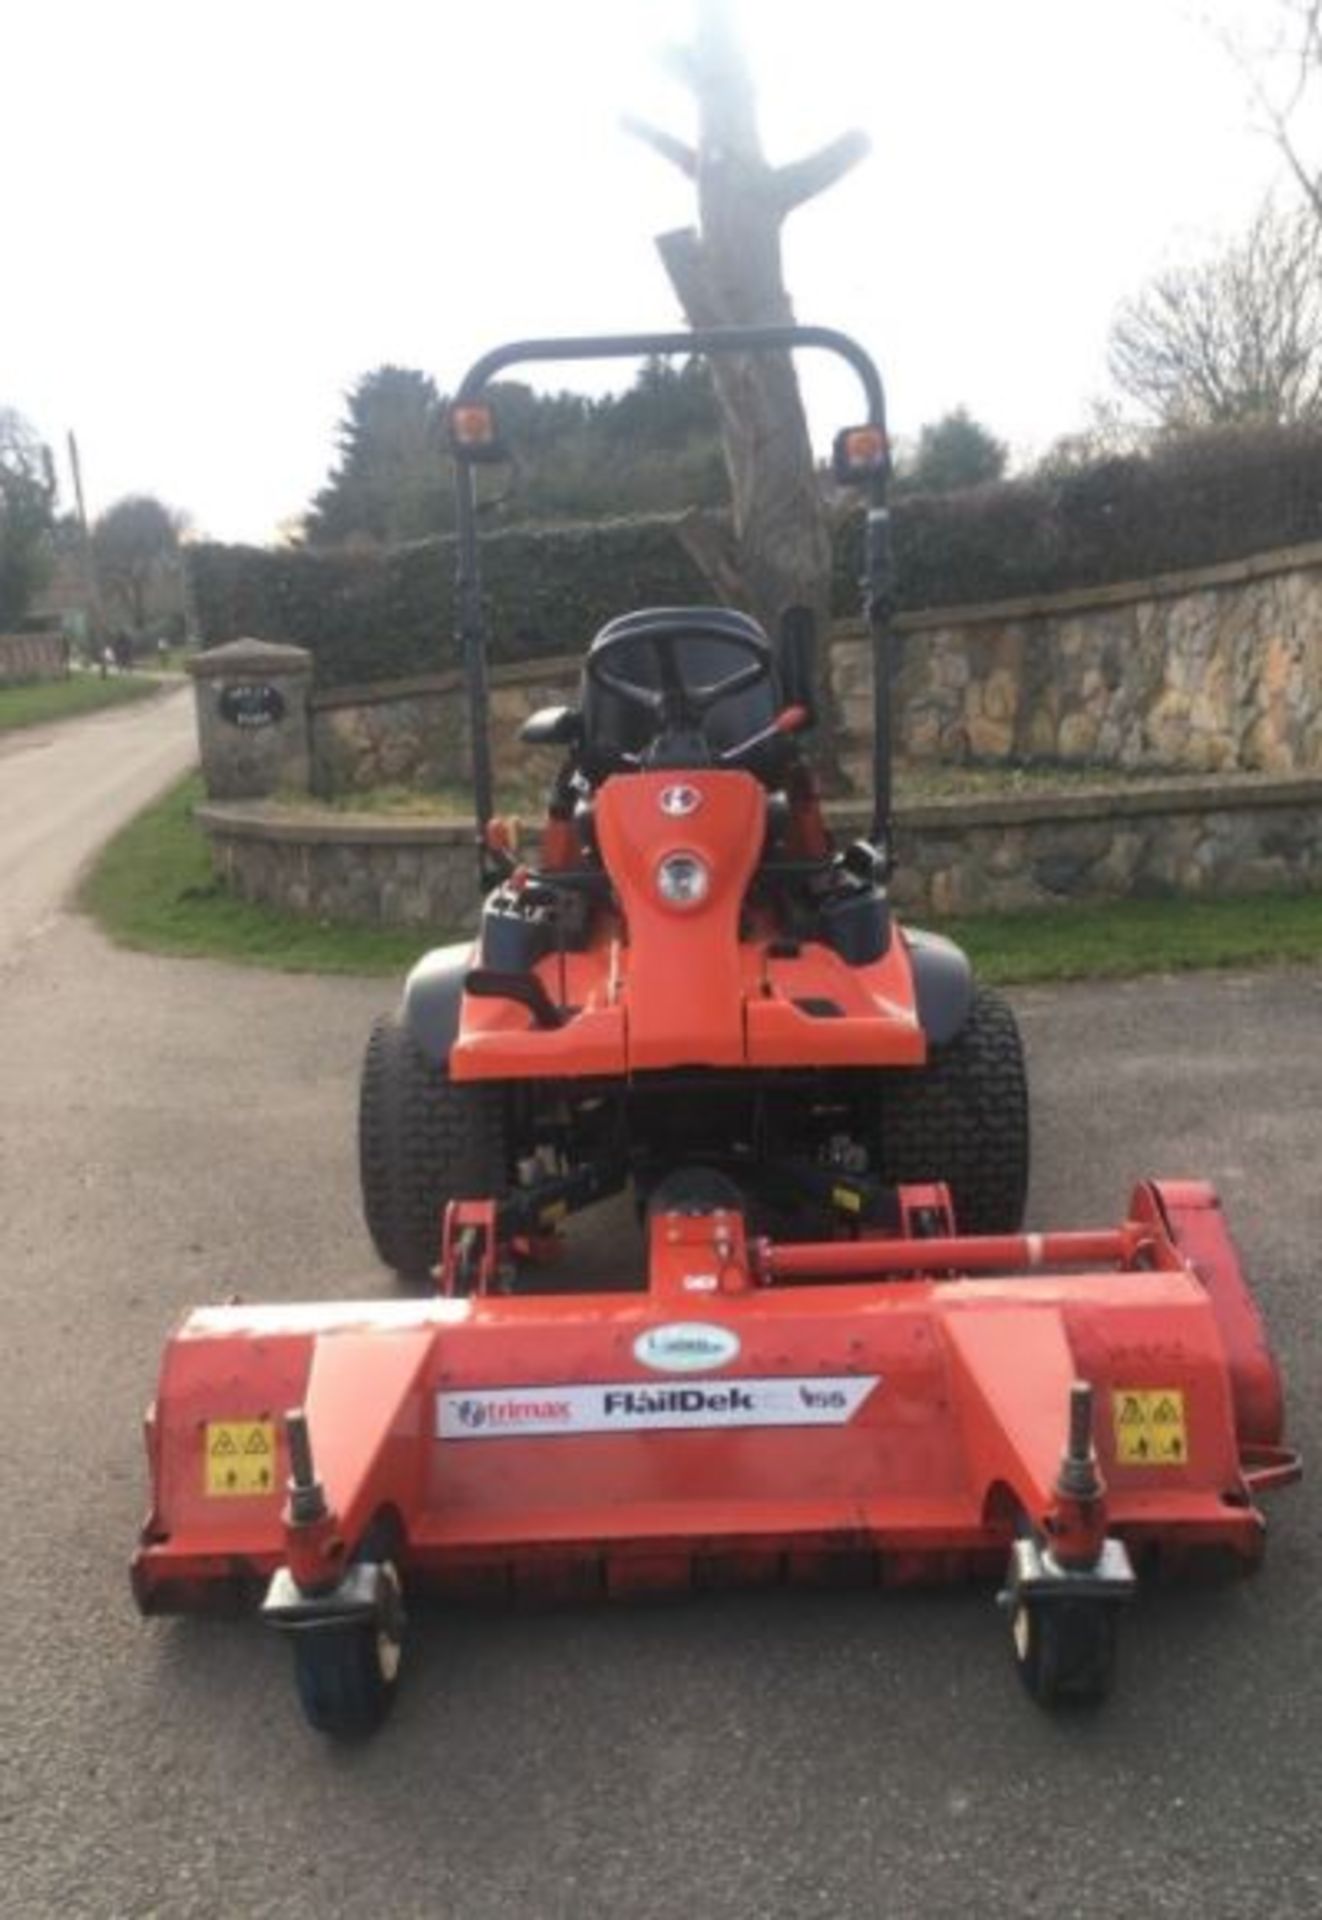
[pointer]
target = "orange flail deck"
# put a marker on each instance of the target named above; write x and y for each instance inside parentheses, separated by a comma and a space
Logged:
(906, 1416)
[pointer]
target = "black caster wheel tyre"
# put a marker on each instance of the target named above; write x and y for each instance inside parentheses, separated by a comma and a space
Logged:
(1064, 1650)
(347, 1676)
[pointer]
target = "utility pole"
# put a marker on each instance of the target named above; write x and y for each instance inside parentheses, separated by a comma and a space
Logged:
(97, 634)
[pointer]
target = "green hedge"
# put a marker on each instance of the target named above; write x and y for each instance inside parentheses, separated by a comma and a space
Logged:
(1189, 502)
(390, 613)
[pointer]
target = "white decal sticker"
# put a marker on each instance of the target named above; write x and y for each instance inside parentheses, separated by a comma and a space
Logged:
(623, 1406)
(686, 1346)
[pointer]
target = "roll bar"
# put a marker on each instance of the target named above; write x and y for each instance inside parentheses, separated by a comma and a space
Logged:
(876, 583)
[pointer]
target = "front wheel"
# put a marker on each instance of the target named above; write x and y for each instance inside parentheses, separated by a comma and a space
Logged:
(423, 1140)
(963, 1119)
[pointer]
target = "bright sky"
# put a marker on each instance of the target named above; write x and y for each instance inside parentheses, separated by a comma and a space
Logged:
(218, 216)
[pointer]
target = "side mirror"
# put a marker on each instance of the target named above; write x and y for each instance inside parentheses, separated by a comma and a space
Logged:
(796, 657)
(553, 727)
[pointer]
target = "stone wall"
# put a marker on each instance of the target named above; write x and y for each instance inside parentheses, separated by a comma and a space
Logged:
(350, 870)
(413, 733)
(32, 656)
(1196, 673)
(1247, 833)
(1250, 833)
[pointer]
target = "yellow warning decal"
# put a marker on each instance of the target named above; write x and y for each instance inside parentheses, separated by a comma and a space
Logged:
(240, 1457)
(847, 1199)
(1149, 1427)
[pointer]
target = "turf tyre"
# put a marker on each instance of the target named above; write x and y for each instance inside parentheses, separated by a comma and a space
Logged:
(963, 1118)
(423, 1140)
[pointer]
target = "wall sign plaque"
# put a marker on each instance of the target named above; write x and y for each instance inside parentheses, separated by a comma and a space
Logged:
(251, 704)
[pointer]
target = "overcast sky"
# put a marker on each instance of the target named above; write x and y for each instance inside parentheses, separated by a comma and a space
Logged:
(218, 215)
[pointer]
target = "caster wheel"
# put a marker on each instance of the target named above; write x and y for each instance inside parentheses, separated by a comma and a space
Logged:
(347, 1675)
(1064, 1650)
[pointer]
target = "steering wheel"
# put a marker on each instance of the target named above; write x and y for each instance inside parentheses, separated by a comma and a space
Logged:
(674, 702)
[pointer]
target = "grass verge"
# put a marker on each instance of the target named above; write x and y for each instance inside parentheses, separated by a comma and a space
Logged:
(1118, 939)
(152, 888)
(43, 700)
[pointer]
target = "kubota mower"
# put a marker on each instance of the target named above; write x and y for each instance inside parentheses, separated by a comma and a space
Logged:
(843, 1355)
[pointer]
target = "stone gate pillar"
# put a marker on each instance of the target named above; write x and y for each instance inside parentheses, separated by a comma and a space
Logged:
(252, 719)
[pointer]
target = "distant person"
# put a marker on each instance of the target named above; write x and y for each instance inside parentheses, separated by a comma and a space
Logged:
(123, 651)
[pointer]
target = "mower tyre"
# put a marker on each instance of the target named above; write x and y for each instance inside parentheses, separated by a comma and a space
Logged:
(963, 1119)
(1065, 1650)
(347, 1675)
(422, 1141)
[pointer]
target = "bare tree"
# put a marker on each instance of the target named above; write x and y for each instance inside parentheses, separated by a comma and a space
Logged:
(135, 542)
(728, 272)
(1238, 337)
(1282, 62)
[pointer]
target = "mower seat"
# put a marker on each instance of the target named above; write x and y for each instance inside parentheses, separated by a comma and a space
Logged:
(613, 729)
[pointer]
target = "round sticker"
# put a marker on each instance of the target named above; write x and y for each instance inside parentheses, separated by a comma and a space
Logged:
(686, 1346)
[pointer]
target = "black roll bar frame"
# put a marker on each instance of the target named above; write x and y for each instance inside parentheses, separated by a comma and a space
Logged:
(877, 579)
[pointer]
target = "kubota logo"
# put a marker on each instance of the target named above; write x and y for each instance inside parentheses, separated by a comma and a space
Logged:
(679, 801)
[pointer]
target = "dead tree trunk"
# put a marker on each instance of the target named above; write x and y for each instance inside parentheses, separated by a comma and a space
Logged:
(728, 272)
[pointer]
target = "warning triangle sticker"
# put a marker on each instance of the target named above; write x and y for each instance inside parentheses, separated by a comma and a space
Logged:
(257, 1441)
(223, 1442)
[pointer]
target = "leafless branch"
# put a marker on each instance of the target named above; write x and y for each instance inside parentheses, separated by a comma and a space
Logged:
(677, 151)
(803, 179)
(1238, 337)
(1296, 44)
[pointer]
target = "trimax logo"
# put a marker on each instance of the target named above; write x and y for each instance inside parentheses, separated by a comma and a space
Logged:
(678, 802)
(514, 1411)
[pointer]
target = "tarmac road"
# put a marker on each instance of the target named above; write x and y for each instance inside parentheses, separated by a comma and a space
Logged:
(173, 1131)
(64, 787)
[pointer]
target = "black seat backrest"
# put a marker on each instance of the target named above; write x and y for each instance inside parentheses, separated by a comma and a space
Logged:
(611, 727)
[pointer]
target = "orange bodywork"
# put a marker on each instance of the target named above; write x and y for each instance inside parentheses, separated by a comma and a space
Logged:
(900, 1415)
(705, 985)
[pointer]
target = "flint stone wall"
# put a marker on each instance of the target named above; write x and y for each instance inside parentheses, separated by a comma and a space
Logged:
(1201, 673)
(32, 656)
(1195, 673)
(1250, 833)
(414, 733)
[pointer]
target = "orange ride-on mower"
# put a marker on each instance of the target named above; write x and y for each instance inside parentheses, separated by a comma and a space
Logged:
(843, 1356)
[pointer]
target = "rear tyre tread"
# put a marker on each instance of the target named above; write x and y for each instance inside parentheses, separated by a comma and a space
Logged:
(963, 1119)
(423, 1141)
